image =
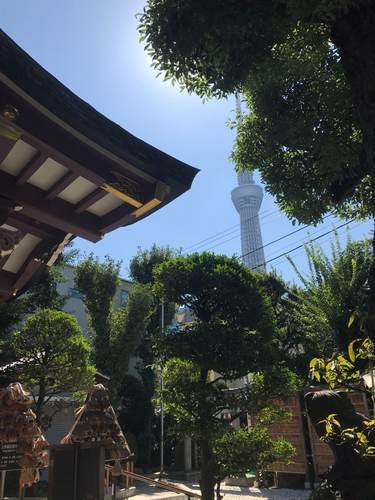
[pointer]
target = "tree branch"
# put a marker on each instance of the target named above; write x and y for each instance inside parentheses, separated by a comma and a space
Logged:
(216, 380)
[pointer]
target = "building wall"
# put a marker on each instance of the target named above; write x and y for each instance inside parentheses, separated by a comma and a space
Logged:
(62, 422)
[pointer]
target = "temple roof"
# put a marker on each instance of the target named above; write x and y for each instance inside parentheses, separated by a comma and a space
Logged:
(45, 89)
(66, 170)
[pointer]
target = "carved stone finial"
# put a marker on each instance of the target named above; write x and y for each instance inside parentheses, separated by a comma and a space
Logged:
(9, 240)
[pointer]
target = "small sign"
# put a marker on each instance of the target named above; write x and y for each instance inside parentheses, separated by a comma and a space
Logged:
(9, 456)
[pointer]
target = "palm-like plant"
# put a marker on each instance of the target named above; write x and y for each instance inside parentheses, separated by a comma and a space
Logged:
(331, 305)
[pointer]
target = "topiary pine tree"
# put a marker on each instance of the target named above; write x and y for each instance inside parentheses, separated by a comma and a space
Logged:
(231, 337)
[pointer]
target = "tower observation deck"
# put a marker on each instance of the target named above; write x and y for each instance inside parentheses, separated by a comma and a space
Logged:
(247, 198)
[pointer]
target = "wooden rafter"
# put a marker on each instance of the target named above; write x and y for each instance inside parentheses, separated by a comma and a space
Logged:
(31, 167)
(80, 170)
(109, 183)
(123, 196)
(11, 283)
(6, 283)
(6, 145)
(90, 199)
(59, 157)
(27, 225)
(61, 184)
(59, 213)
(3, 260)
(59, 248)
(117, 216)
(126, 215)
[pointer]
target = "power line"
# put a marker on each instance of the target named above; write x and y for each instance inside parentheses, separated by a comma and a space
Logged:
(236, 235)
(302, 245)
(267, 244)
(305, 237)
(259, 248)
(325, 241)
(281, 238)
(229, 230)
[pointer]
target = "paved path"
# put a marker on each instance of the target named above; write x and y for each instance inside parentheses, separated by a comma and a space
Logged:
(236, 493)
(229, 492)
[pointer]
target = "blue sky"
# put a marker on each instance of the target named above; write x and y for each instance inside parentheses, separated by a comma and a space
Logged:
(92, 46)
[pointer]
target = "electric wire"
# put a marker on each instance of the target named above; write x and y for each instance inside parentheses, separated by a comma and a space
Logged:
(281, 238)
(302, 245)
(237, 231)
(229, 230)
(221, 234)
(305, 237)
(326, 240)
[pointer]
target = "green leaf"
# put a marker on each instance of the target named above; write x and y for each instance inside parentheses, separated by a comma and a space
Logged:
(352, 318)
(314, 362)
(343, 361)
(331, 418)
(351, 351)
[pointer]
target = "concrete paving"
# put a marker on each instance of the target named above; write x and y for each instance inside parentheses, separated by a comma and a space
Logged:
(236, 493)
(230, 493)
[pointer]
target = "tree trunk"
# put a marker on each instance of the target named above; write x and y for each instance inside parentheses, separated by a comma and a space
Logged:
(40, 401)
(354, 35)
(370, 327)
(207, 482)
(219, 496)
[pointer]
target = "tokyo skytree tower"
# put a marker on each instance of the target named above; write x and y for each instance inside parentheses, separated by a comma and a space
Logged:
(247, 198)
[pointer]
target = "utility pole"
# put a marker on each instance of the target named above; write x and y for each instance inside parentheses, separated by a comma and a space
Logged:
(162, 405)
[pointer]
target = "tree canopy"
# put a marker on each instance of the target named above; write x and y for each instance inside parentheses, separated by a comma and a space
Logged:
(116, 331)
(53, 358)
(307, 71)
(41, 294)
(141, 270)
(243, 450)
(97, 282)
(229, 308)
(328, 309)
(332, 305)
(230, 337)
(144, 261)
(142, 267)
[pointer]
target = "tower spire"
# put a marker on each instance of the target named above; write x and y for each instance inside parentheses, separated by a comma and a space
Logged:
(247, 198)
